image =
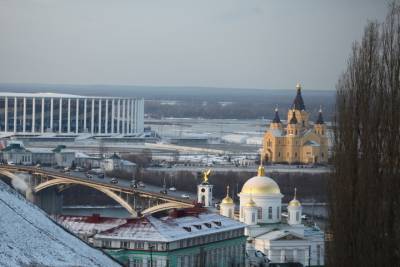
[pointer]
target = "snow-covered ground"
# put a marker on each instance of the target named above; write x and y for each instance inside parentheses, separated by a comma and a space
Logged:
(28, 237)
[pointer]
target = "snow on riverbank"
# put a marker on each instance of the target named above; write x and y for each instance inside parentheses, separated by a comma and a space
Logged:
(30, 238)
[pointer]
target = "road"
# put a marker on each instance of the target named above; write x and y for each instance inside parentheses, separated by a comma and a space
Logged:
(268, 169)
(123, 183)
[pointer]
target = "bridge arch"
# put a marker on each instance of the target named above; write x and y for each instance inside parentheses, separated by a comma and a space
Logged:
(165, 206)
(10, 175)
(108, 192)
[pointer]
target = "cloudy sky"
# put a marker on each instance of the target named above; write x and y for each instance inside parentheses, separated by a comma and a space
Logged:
(221, 43)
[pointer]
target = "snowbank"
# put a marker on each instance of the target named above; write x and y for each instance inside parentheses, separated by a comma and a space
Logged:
(30, 238)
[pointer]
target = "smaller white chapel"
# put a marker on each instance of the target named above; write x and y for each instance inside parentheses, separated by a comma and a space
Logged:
(276, 238)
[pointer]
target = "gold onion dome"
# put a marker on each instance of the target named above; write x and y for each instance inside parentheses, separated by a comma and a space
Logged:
(294, 202)
(251, 203)
(260, 185)
(227, 199)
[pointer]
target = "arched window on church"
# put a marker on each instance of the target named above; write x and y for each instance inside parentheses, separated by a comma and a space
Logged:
(295, 154)
(278, 212)
(322, 155)
(297, 216)
(279, 154)
(270, 213)
(253, 217)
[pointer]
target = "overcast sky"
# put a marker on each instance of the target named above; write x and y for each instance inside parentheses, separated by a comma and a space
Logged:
(221, 43)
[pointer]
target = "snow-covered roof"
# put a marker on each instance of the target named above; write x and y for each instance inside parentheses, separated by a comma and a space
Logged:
(169, 229)
(40, 150)
(275, 235)
(30, 238)
(89, 224)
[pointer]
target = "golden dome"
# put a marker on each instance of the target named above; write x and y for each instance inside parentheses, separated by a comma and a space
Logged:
(227, 200)
(260, 186)
(294, 203)
(251, 203)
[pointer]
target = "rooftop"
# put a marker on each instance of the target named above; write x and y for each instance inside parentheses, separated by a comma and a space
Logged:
(166, 229)
(55, 95)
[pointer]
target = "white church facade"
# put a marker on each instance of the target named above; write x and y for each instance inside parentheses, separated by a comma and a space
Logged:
(272, 238)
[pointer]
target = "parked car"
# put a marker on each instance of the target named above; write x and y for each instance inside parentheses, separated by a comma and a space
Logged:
(114, 180)
(172, 189)
(185, 196)
(89, 176)
(100, 175)
(141, 184)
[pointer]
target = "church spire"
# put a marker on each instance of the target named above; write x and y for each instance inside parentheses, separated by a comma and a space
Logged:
(320, 119)
(261, 170)
(276, 118)
(298, 103)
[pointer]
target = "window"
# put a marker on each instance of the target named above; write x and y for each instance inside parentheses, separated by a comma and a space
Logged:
(297, 216)
(139, 245)
(124, 244)
(270, 213)
(137, 263)
(318, 254)
(259, 213)
(295, 154)
(279, 154)
(106, 244)
(322, 154)
(253, 217)
(278, 212)
(241, 212)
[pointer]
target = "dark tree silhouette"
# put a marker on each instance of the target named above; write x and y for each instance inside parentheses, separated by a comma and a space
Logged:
(364, 187)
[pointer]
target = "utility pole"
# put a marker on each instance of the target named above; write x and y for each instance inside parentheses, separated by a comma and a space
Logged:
(151, 255)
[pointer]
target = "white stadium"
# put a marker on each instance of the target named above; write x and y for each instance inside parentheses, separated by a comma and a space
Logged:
(39, 113)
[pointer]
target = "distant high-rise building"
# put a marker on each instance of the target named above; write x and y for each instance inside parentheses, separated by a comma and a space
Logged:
(26, 113)
(298, 141)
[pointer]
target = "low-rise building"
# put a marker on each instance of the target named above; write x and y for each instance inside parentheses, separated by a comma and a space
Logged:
(16, 153)
(64, 157)
(190, 237)
(86, 161)
(115, 163)
(43, 156)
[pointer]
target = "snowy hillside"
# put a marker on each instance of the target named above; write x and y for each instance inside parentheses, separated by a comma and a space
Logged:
(29, 238)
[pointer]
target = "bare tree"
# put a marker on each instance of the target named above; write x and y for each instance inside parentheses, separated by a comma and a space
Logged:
(365, 184)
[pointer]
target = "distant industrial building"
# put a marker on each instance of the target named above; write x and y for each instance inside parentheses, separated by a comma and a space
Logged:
(39, 113)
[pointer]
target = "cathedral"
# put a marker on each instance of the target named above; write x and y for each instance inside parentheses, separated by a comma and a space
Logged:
(273, 236)
(298, 141)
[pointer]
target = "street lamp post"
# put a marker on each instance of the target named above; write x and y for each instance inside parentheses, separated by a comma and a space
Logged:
(151, 255)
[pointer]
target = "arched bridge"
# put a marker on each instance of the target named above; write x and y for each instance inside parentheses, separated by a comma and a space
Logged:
(132, 200)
